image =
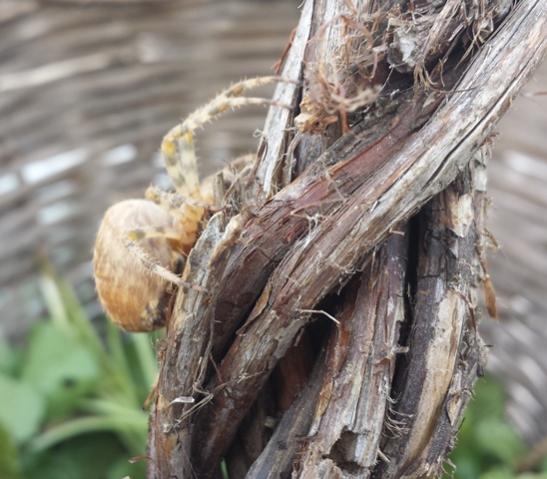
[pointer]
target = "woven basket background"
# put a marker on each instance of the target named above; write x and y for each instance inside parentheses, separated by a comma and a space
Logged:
(87, 90)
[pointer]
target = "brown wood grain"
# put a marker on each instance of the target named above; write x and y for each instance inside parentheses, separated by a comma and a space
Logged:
(275, 263)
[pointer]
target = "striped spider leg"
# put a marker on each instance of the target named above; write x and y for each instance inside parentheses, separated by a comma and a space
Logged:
(141, 243)
(190, 200)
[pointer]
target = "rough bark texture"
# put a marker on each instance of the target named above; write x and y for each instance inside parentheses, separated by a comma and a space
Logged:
(435, 377)
(325, 268)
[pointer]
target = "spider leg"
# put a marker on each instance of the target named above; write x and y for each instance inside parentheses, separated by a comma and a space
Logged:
(181, 239)
(237, 89)
(172, 202)
(178, 145)
(158, 269)
(187, 213)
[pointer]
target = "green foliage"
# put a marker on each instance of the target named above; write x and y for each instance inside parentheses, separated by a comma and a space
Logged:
(8, 360)
(488, 448)
(72, 405)
(72, 402)
(10, 467)
(86, 456)
(59, 368)
(22, 408)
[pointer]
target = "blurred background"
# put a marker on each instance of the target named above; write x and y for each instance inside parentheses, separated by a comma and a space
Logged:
(87, 90)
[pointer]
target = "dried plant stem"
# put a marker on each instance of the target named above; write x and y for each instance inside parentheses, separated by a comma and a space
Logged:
(280, 258)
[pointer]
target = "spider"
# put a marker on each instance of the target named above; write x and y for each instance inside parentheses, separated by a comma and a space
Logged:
(141, 244)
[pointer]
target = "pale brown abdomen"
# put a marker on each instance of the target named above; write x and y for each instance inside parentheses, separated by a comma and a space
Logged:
(135, 298)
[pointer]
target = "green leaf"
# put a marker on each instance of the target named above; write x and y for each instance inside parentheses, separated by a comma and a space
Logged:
(488, 402)
(466, 437)
(501, 473)
(67, 313)
(485, 441)
(123, 468)
(120, 379)
(86, 457)
(22, 408)
(84, 425)
(9, 457)
(60, 368)
(499, 440)
(8, 358)
(224, 470)
(146, 357)
(467, 466)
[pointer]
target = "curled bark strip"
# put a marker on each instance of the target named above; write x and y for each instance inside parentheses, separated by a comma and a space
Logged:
(253, 434)
(424, 34)
(273, 263)
(401, 179)
(301, 207)
(169, 442)
(277, 457)
(345, 434)
(260, 351)
(435, 379)
(275, 140)
(501, 67)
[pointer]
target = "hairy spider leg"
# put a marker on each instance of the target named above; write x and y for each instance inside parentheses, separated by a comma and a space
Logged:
(178, 145)
(237, 89)
(186, 211)
(156, 268)
(187, 205)
(172, 201)
(181, 238)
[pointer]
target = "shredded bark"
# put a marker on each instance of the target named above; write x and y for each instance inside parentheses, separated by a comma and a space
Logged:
(318, 245)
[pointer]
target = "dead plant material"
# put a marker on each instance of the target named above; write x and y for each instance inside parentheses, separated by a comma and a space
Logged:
(289, 247)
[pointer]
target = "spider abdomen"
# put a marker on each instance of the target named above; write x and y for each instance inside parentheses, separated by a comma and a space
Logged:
(141, 243)
(134, 297)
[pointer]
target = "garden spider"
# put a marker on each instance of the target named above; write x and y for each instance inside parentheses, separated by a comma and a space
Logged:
(141, 243)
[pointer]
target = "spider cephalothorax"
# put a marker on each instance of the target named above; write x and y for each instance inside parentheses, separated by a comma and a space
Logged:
(141, 243)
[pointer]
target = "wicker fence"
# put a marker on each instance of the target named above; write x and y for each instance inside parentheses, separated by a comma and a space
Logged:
(86, 94)
(88, 88)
